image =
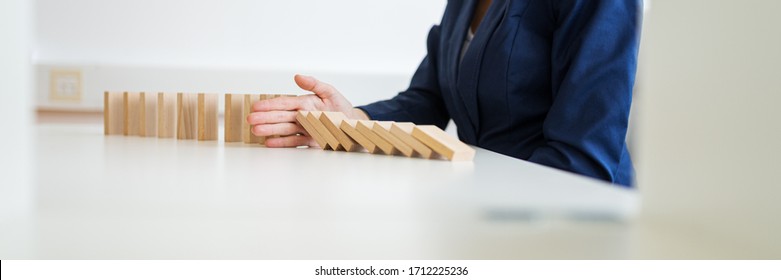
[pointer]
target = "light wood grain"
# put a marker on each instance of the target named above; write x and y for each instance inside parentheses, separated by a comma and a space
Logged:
(148, 115)
(314, 120)
(365, 128)
(303, 120)
(234, 112)
(247, 136)
(443, 143)
(132, 101)
(382, 129)
(332, 121)
(403, 131)
(207, 117)
(349, 128)
(113, 113)
(166, 115)
(187, 108)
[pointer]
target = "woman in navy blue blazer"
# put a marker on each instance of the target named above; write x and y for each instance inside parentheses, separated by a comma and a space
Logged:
(541, 80)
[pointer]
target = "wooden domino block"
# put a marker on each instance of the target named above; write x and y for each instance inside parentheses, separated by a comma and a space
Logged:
(187, 108)
(132, 103)
(113, 113)
(332, 121)
(383, 130)
(443, 143)
(234, 114)
(148, 115)
(349, 128)
(302, 119)
(365, 128)
(314, 121)
(207, 117)
(166, 115)
(403, 131)
(247, 135)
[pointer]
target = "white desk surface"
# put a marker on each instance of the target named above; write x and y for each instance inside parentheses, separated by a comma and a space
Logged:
(120, 197)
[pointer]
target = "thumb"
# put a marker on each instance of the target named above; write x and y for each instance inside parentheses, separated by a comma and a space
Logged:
(321, 89)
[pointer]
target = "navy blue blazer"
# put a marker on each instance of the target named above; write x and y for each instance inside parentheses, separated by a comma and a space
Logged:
(548, 81)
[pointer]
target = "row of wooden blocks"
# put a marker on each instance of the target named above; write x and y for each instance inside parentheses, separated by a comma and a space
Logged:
(180, 115)
(334, 131)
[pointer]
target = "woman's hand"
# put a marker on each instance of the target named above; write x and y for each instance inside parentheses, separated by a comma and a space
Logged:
(278, 116)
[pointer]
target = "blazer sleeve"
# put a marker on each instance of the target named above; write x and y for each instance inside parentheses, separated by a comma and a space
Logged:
(594, 59)
(422, 102)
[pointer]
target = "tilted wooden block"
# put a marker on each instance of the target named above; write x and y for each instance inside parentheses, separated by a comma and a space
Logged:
(148, 115)
(234, 114)
(349, 128)
(166, 115)
(332, 121)
(403, 131)
(247, 135)
(303, 120)
(314, 121)
(132, 101)
(207, 117)
(113, 113)
(383, 130)
(365, 128)
(443, 143)
(187, 108)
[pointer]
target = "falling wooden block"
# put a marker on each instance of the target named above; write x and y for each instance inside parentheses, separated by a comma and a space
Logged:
(383, 130)
(403, 131)
(349, 128)
(207, 117)
(443, 143)
(166, 115)
(187, 108)
(247, 135)
(234, 117)
(332, 121)
(148, 115)
(113, 113)
(132, 101)
(303, 120)
(365, 128)
(314, 120)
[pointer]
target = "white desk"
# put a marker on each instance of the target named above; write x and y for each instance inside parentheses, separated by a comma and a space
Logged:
(130, 197)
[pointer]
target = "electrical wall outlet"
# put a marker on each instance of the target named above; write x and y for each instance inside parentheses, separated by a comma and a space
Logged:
(65, 85)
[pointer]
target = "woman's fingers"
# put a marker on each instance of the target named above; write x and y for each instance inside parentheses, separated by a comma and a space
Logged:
(284, 103)
(321, 89)
(290, 141)
(270, 117)
(277, 129)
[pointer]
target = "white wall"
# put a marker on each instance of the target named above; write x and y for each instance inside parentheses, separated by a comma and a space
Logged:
(709, 128)
(16, 192)
(301, 35)
(369, 49)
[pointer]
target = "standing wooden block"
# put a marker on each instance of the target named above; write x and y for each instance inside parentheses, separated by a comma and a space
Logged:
(132, 101)
(403, 131)
(442, 143)
(207, 117)
(314, 121)
(148, 115)
(349, 128)
(113, 113)
(187, 108)
(247, 136)
(383, 130)
(303, 120)
(234, 114)
(332, 121)
(166, 115)
(365, 128)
